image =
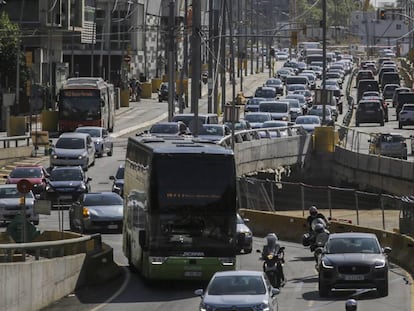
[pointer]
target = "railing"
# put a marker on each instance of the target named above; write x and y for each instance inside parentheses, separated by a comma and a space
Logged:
(16, 139)
(49, 249)
(263, 133)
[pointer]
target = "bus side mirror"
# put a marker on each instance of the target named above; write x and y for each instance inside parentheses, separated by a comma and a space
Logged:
(142, 237)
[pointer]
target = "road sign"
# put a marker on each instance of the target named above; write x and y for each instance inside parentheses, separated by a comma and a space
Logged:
(24, 186)
(127, 58)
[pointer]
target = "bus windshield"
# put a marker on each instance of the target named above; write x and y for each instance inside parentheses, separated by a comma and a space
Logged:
(195, 201)
(80, 108)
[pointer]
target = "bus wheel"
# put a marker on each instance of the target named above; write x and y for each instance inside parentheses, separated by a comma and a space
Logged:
(131, 266)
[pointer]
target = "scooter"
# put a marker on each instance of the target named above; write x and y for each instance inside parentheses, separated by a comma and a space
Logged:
(317, 238)
(273, 267)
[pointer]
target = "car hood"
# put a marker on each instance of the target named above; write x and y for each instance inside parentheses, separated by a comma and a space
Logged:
(66, 184)
(69, 152)
(105, 211)
(354, 258)
(31, 180)
(235, 300)
(15, 202)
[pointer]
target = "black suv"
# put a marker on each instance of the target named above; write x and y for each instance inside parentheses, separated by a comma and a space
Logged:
(118, 180)
(369, 111)
(66, 183)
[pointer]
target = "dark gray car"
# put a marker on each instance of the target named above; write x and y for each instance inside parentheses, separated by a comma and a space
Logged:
(353, 260)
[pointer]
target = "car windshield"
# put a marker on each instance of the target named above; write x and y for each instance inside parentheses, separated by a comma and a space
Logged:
(92, 132)
(26, 172)
(352, 245)
(65, 175)
(70, 143)
(256, 118)
(237, 285)
(211, 130)
(120, 173)
(164, 129)
(95, 199)
(307, 120)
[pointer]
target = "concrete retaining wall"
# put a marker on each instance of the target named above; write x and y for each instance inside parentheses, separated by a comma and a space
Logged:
(8, 155)
(35, 284)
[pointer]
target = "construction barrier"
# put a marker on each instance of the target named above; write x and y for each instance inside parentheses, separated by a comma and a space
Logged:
(17, 126)
(146, 90)
(49, 120)
(155, 84)
(324, 139)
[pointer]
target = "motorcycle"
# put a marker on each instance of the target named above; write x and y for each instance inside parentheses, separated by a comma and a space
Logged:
(317, 238)
(273, 266)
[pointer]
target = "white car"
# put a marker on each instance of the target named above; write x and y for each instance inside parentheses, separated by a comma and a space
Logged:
(72, 149)
(406, 115)
(100, 137)
(308, 122)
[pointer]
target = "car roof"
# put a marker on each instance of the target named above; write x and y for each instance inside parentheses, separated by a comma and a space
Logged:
(58, 168)
(352, 235)
(90, 127)
(73, 135)
(238, 272)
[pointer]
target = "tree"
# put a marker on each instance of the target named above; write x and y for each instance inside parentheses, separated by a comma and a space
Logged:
(9, 40)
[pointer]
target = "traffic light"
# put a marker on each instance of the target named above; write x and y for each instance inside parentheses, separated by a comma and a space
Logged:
(381, 14)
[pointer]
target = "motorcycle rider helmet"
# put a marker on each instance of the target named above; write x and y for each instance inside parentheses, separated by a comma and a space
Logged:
(351, 305)
(319, 228)
(271, 240)
(313, 211)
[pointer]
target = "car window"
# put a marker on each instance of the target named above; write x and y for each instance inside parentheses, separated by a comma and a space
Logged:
(65, 175)
(70, 143)
(21, 172)
(102, 199)
(12, 193)
(120, 173)
(92, 132)
(352, 245)
(237, 285)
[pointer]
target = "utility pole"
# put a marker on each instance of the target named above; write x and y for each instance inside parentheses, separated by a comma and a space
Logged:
(195, 62)
(210, 57)
(324, 94)
(171, 69)
(223, 54)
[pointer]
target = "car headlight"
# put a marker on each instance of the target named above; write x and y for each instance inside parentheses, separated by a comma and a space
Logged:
(54, 156)
(85, 212)
(49, 188)
(326, 264)
(206, 307)
(261, 307)
(80, 157)
(379, 264)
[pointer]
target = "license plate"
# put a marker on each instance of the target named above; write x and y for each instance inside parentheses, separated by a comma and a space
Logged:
(354, 277)
(112, 226)
(193, 273)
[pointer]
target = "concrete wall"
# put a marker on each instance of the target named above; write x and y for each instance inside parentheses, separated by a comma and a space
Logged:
(33, 285)
(371, 171)
(256, 155)
(8, 155)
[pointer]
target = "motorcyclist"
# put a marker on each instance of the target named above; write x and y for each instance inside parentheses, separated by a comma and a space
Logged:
(314, 214)
(272, 246)
(351, 305)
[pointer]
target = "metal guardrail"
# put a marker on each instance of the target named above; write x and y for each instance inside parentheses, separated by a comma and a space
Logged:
(50, 248)
(16, 139)
(263, 133)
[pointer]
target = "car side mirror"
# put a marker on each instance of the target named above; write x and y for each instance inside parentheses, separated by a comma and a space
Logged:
(275, 291)
(112, 177)
(387, 250)
(89, 179)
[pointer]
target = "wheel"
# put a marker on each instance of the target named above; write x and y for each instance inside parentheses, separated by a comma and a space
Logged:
(323, 289)
(400, 126)
(383, 290)
(248, 250)
(159, 100)
(36, 222)
(110, 152)
(357, 124)
(382, 123)
(71, 225)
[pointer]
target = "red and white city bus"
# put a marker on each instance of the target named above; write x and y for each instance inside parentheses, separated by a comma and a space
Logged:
(86, 101)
